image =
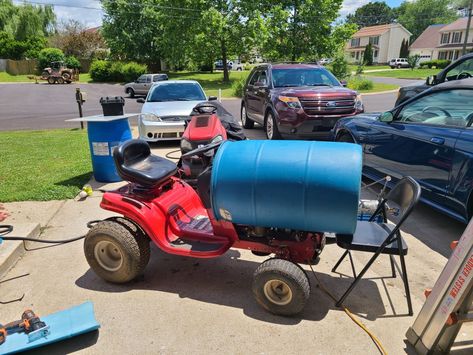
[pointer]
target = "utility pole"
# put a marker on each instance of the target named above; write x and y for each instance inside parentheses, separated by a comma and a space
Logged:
(467, 28)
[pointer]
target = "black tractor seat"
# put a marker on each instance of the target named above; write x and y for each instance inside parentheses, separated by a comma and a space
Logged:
(135, 163)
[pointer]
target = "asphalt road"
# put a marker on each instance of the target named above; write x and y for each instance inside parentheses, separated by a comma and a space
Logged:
(43, 106)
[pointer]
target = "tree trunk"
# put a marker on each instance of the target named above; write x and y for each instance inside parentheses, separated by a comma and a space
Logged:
(294, 33)
(226, 77)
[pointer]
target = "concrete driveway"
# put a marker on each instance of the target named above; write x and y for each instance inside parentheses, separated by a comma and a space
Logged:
(205, 306)
(43, 106)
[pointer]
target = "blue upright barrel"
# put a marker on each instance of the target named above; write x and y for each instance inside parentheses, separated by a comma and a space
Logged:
(300, 185)
(103, 138)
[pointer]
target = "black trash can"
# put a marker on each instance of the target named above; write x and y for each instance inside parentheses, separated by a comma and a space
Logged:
(112, 106)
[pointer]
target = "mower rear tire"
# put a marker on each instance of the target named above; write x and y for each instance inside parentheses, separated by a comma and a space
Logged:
(281, 287)
(115, 252)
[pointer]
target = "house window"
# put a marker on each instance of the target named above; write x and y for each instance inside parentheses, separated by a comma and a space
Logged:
(357, 55)
(457, 37)
(443, 55)
(355, 42)
(374, 40)
(445, 38)
(375, 53)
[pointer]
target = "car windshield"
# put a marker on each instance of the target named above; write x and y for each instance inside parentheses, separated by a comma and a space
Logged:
(303, 77)
(177, 92)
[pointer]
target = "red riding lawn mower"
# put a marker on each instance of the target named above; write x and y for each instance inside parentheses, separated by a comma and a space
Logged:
(210, 123)
(270, 197)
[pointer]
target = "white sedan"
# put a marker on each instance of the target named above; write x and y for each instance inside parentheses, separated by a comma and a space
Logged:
(167, 107)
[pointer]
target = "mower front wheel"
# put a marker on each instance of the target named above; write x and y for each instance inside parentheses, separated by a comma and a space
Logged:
(115, 252)
(281, 287)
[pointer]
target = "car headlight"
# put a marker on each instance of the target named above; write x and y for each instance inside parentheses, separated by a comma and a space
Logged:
(359, 103)
(217, 139)
(290, 101)
(150, 117)
(186, 146)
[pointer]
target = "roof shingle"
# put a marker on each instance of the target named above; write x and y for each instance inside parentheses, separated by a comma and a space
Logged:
(430, 38)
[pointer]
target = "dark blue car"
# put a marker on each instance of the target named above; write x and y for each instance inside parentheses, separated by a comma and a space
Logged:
(429, 137)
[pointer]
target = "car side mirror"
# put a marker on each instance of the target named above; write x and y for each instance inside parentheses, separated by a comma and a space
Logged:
(140, 100)
(343, 83)
(386, 117)
(430, 80)
(212, 98)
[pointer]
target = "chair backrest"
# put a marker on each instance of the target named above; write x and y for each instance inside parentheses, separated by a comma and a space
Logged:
(405, 194)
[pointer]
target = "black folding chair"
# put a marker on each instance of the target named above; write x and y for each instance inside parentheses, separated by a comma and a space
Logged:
(382, 238)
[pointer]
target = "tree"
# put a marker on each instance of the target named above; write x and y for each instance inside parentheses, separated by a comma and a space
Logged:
(132, 31)
(302, 30)
(368, 55)
(417, 15)
(48, 55)
(74, 39)
(371, 14)
(413, 60)
(26, 20)
(404, 50)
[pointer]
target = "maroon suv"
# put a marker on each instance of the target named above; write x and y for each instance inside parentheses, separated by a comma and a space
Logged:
(296, 101)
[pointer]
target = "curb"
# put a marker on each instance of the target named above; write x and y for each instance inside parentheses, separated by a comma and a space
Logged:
(12, 250)
(380, 92)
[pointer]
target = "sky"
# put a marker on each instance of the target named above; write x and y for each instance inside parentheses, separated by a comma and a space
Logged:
(89, 11)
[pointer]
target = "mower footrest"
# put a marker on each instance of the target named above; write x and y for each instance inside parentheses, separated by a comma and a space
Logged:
(195, 245)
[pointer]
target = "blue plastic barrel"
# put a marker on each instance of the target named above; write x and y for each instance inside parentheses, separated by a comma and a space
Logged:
(103, 138)
(299, 185)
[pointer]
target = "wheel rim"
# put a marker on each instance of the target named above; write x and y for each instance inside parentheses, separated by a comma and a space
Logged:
(269, 127)
(108, 255)
(243, 115)
(278, 292)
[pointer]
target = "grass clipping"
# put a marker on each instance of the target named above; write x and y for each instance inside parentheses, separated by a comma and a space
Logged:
(43, 165)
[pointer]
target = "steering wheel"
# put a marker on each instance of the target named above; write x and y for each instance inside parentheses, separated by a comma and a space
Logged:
(463, 75)
(205, 109)
(202, 150)
(432, 108)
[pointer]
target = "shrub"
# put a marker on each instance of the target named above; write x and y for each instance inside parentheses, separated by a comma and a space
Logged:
(99, 70)
(131, 71)
(359, 83)
(237, 87)
(72, 62)
(48, 55)
(413, 60)
(368, 55)
(339, 67)
(102, 70)
(442, 63)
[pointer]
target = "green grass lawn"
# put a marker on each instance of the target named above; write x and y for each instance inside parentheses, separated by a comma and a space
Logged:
(7, 78)
(378, 87)
(211, 82)
(353, 67)
(43, 165)
(420, 74)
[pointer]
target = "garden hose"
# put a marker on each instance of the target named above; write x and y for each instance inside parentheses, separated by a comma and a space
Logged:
(5, 229)
(373, 337)
(168, 155)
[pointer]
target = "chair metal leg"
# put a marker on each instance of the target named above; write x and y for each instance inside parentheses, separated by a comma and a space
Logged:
(393, 269)
(340, 260)
(405, 280)
(358, 278)
(352, 265)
